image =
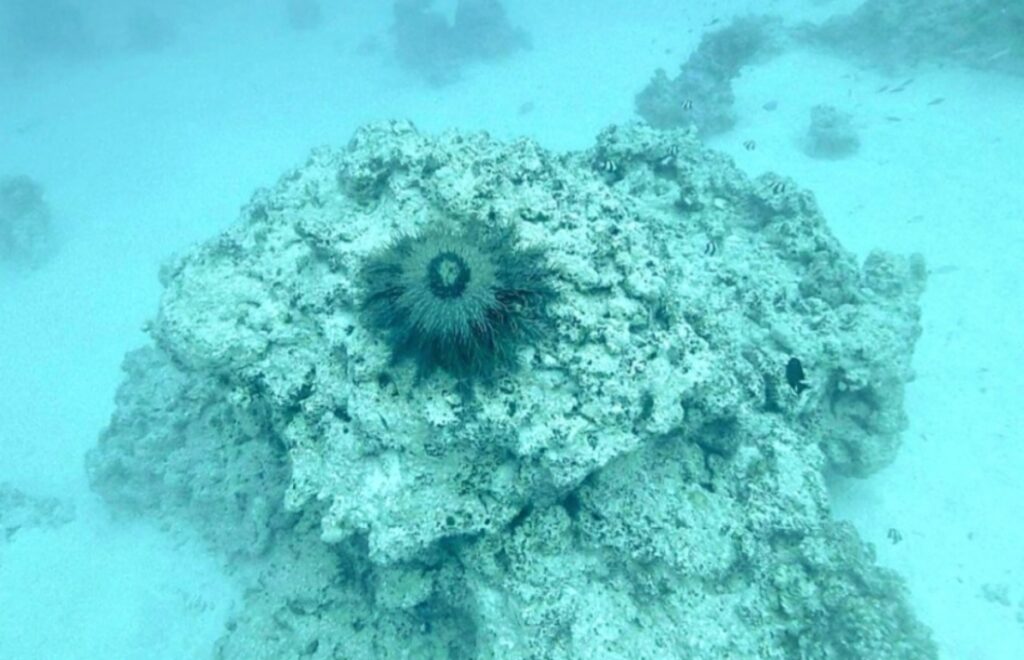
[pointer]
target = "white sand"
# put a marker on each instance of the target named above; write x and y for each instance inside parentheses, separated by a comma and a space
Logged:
(142, 155)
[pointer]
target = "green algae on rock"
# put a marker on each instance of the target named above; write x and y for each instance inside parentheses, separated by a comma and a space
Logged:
(649, 483)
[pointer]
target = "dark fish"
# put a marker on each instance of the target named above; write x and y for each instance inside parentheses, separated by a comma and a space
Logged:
(710, 248)
(881, 89)
(936, 101)
(795, 375)
(750, 145)
(892, 118)
(998, 55)
(669, 156)
(902, 86)
(687, 105)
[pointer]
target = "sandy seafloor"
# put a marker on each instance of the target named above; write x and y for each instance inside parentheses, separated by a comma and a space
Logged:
(142, 155)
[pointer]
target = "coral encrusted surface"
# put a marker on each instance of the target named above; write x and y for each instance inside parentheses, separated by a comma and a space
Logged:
(645, 479)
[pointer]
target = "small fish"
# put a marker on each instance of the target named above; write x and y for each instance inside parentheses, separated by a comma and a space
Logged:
(894, 535)
(710, 248)
(997, 56)
(902, 86)
(750, 145)
(881, 89)
(687, 105)
(777, 187)
(936, 101)
(892, 118)
(795, 375)
(770, 105)
(526, 108)
(669, 156)
(607, 165)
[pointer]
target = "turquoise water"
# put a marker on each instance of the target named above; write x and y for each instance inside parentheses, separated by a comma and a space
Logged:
(147, 127)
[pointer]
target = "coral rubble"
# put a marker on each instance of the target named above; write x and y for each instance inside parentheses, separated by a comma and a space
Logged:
(20, 511)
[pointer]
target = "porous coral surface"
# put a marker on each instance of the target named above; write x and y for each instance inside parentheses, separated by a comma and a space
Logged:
(648, 481)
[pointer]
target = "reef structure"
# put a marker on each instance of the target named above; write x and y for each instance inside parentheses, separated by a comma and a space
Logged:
(26, 236)
(898, 35)
(701, 94)
(645, 479)
(437, 49)
(830, 133)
